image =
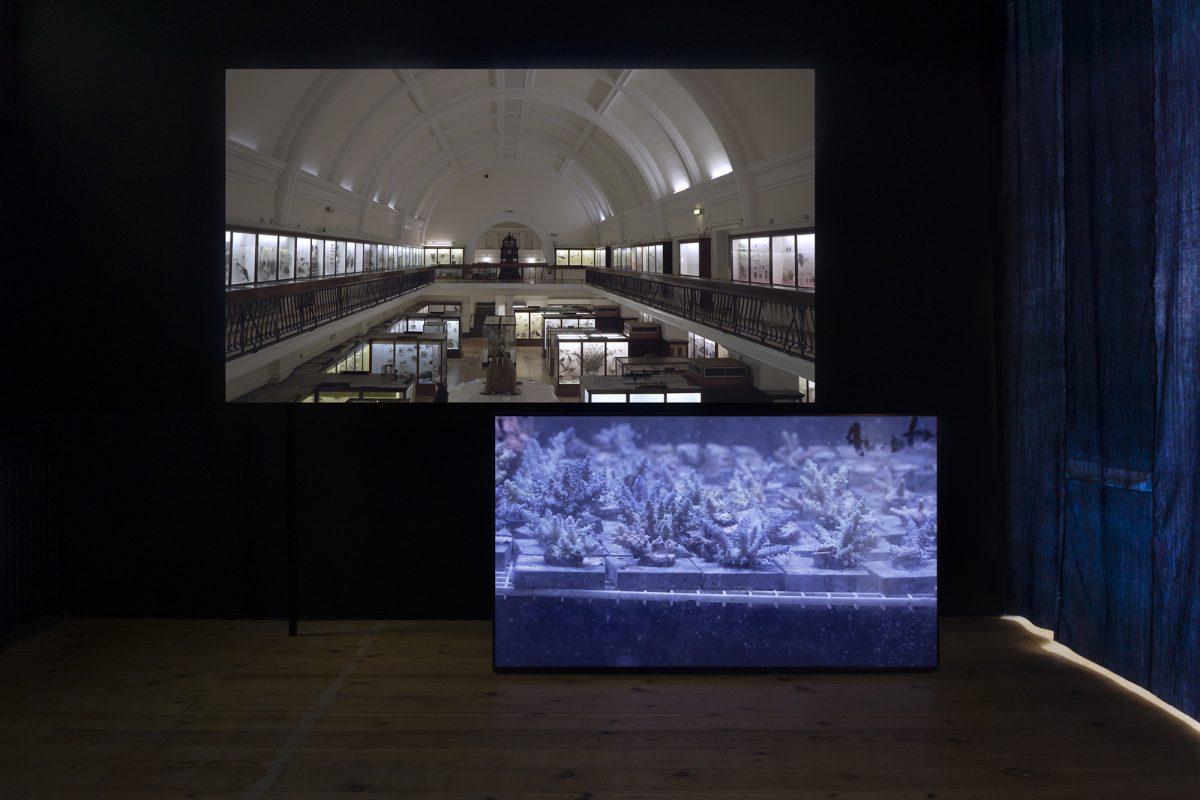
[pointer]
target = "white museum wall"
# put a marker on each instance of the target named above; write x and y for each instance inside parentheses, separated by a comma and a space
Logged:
(789, 206)
(639, 225)
(524, 191)
(259, 104)
(774, 108)
(245, 203)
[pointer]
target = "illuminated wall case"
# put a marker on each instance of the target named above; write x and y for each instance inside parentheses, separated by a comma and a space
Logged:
(786, 259)
(256, 257)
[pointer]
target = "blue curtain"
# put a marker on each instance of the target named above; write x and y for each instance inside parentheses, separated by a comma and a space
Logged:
(1100, 295)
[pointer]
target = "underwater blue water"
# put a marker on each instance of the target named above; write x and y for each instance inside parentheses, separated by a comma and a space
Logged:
(715, 541)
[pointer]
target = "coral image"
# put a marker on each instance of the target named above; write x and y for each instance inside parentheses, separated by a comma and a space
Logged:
(683, 541)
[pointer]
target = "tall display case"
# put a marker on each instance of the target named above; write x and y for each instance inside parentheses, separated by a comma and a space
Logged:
(422, 355)
(644, 257)
(450, 324)
(575, 355)
(779, 258)
(553, 331)
(529, 324)
(499, 332)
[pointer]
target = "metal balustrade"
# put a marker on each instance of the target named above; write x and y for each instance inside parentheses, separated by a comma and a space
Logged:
(509, 273)
(256, 318)
(783, 319)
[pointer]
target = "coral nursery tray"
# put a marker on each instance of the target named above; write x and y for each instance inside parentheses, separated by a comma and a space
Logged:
(532, 572)
(714, 576)
(802, 576)
(895, 580)
(528, 547)
(506, 588)
(503, 551)
(627, 574)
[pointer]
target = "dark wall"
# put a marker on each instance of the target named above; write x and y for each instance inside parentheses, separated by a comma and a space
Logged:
(181, 504)
(31, 558)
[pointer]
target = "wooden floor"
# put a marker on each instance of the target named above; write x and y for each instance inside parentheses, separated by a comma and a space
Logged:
(138, 709)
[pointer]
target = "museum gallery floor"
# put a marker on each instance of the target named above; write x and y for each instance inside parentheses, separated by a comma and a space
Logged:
(125, 709)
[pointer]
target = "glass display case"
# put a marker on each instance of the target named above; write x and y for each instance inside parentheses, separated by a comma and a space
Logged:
(443, 256)
(555, 326)
(689, 259)
(806, 260)
(499, 332)
(645, 366)
(531, 322)
(243, 258)
(432, 357)
(786, 259)
(618, 389)
(699, 347)
(641, 258)
(578, 353)
(267, 256)
(255, 257)
(303, 257)
(394, 354)
(740, 259)
(358, 359)
(760, 260)
(438, 308)
(450, 325)
(342, 393)
(421, 356)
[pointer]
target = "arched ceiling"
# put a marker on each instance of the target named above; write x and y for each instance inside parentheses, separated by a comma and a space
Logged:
(615, 139)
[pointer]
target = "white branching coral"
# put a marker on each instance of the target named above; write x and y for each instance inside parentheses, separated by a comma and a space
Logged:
(749, 544)
(845, 545)
(651, 552)
(538, 486)
(620, 439)
(791, 452)
(917, 514)
(892, 487)
(919, 539)
(567, 541)
(822, 495)
(748, 486)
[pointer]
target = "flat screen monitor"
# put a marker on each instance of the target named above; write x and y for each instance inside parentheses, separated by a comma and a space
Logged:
(715, 542)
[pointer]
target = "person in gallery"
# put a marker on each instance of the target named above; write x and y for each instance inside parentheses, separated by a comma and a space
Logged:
(442, 395)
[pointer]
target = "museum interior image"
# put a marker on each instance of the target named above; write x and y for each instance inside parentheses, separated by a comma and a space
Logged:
(622, 235)
(235, 563)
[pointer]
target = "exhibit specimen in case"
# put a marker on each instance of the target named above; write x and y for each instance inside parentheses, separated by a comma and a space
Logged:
(715, 542)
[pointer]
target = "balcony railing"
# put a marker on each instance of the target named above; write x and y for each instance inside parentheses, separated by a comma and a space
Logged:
(255, 318)
(783, 319)
(509, 273)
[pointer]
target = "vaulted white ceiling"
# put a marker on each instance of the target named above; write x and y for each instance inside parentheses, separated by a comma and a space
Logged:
(612, 139)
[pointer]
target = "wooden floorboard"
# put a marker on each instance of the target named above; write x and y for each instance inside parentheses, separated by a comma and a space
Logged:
(139, 709)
